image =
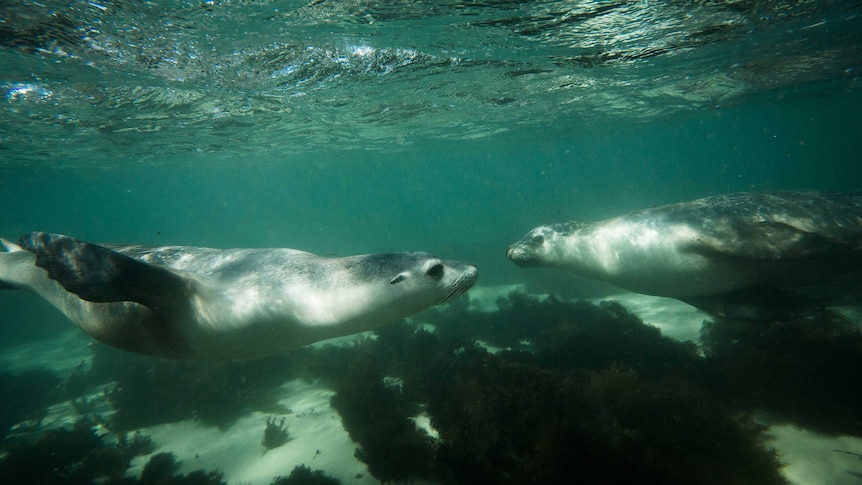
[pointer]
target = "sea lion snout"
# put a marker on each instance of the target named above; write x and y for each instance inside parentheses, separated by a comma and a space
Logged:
(520, 255)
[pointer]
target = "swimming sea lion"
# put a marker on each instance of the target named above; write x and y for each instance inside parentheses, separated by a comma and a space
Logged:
(202, 303)
(748, 256)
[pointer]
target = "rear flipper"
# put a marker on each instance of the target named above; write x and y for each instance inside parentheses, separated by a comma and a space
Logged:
(98, 274)
(8, 264)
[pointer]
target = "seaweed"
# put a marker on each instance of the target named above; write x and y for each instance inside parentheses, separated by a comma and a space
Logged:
(274, 435)
(596, 394)
(797, 371)
(302, 475)
(509, 422)
(139, 445)
(376, 415)
(26, 395)
(162, 470)
(78, 455)
(161, 466)
(569, 335)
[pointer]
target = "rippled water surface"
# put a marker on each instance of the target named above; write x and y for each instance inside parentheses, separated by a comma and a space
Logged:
(100, 80)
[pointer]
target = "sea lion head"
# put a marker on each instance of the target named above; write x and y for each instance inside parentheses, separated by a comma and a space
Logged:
(540, 246)
(390, 286)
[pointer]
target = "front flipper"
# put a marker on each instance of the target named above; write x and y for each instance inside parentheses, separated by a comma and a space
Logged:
(758, 305)
(773, 242)
(97, 274)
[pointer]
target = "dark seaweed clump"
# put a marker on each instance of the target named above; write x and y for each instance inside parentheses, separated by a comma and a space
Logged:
(376, 414)
(274, 435)
(26, 396)
(629, 405)
(516, 423)
(801, 371)
(302, 475)
(573, 335)
(79, 455)
(162, 469)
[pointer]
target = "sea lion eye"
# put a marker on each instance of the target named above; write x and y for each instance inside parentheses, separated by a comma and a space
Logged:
(538, 239)
(435, 271)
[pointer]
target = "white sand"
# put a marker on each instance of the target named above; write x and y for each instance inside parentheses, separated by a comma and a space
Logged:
(810, 458)
(674, 318)
(317, 439)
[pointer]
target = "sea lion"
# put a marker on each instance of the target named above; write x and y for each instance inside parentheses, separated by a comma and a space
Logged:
(747, 256)
(202, 303)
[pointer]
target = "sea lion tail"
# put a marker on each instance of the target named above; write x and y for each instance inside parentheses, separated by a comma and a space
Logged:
(9, 246)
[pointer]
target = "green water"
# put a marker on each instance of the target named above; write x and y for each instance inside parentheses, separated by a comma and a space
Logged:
(461, 199)
(465, 199)
(354, 127)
